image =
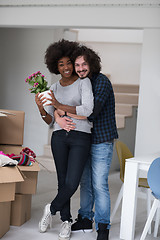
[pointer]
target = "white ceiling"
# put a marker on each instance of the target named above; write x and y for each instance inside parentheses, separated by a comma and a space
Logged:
(107, 3)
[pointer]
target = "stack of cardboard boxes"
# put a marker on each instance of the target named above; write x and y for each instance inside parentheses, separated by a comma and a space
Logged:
(17, 184)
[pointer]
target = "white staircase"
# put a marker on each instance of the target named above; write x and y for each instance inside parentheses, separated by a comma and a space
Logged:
(126, 98)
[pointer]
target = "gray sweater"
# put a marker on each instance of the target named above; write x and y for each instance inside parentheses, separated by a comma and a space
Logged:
(77, 94)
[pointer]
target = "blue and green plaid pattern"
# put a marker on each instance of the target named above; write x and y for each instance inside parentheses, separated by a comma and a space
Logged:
(104, 122)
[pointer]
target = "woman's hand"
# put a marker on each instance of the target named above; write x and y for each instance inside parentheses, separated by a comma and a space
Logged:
(53, 100)
(39, 101)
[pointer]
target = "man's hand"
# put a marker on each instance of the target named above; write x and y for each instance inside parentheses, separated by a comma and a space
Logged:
(66, 123)
(63, 121)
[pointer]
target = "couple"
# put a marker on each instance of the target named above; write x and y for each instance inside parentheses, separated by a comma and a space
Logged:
(79, 155)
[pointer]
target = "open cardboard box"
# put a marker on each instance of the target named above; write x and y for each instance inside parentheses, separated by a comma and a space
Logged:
(11, 141)
(9, 176)
(30, 173)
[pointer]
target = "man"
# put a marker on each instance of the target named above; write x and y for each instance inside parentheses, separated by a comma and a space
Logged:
(94, 187)
(94, 182)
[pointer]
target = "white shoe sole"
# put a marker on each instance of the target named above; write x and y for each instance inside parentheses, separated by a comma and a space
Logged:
(85, 230)
(63, 238)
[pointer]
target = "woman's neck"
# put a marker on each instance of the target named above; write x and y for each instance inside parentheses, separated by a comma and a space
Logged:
(68, 81)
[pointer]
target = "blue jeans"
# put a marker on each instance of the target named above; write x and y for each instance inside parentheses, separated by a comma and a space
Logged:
(94, 184)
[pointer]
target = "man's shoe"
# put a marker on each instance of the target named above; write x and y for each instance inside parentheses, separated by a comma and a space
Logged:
(103, 232)
(65, 231)
(82, 225)
(46, 220)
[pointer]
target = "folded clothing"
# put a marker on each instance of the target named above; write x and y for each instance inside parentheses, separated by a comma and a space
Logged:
(22, 159)
(29, 152)
(25, 158)
(2, 153)
(7, 161)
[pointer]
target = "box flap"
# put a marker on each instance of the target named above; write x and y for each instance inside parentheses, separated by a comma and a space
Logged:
(10, 174)
(9, 149)
(34, 168)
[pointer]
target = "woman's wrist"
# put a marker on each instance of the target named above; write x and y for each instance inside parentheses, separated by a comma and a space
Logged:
(43, 114)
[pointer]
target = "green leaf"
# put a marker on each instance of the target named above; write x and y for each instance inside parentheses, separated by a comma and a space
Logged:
(39, 79)
(31, 83)
(33, 91)
(38, 89)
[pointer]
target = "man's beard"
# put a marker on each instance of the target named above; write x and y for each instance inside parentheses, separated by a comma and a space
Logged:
(84, 71)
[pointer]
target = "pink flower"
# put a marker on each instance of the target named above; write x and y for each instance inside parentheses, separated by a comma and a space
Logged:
(35, 84)
(37, 79)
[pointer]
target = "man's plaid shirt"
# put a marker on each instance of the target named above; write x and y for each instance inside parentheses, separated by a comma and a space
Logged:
(103, 116)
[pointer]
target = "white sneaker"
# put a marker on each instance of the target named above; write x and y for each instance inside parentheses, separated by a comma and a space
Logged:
(46, 220)
(65, 231)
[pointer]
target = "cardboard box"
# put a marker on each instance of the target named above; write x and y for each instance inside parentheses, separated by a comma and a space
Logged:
(30, 174)
(20, 209)
(8, 149)
(12, 127)
(9, 176)
(5, 208)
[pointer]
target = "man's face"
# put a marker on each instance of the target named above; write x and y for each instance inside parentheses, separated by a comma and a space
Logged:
(81, 67)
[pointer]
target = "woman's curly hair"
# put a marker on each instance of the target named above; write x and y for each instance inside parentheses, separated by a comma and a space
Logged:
(90, 56)
(58, 50)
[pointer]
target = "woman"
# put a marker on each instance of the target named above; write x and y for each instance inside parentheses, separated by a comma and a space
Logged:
(70, 149)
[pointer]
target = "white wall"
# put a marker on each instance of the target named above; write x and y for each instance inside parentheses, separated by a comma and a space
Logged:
(21, 54)
(110, 35)
(121, 60)
(119, 49)
(148, 125)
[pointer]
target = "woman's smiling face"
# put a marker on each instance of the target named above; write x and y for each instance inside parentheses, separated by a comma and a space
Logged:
(65, 67)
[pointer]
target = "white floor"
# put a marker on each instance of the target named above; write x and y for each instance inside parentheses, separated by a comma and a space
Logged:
(46, 190)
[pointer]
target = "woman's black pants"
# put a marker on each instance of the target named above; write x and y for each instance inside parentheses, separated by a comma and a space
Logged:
(70, 151)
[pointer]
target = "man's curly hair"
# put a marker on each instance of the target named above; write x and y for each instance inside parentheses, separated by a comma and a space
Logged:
(58, 50)
(90, 56)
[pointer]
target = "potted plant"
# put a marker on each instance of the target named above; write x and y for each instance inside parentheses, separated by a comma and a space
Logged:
(38, 85)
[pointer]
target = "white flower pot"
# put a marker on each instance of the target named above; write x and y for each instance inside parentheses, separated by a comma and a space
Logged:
(46, 95)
